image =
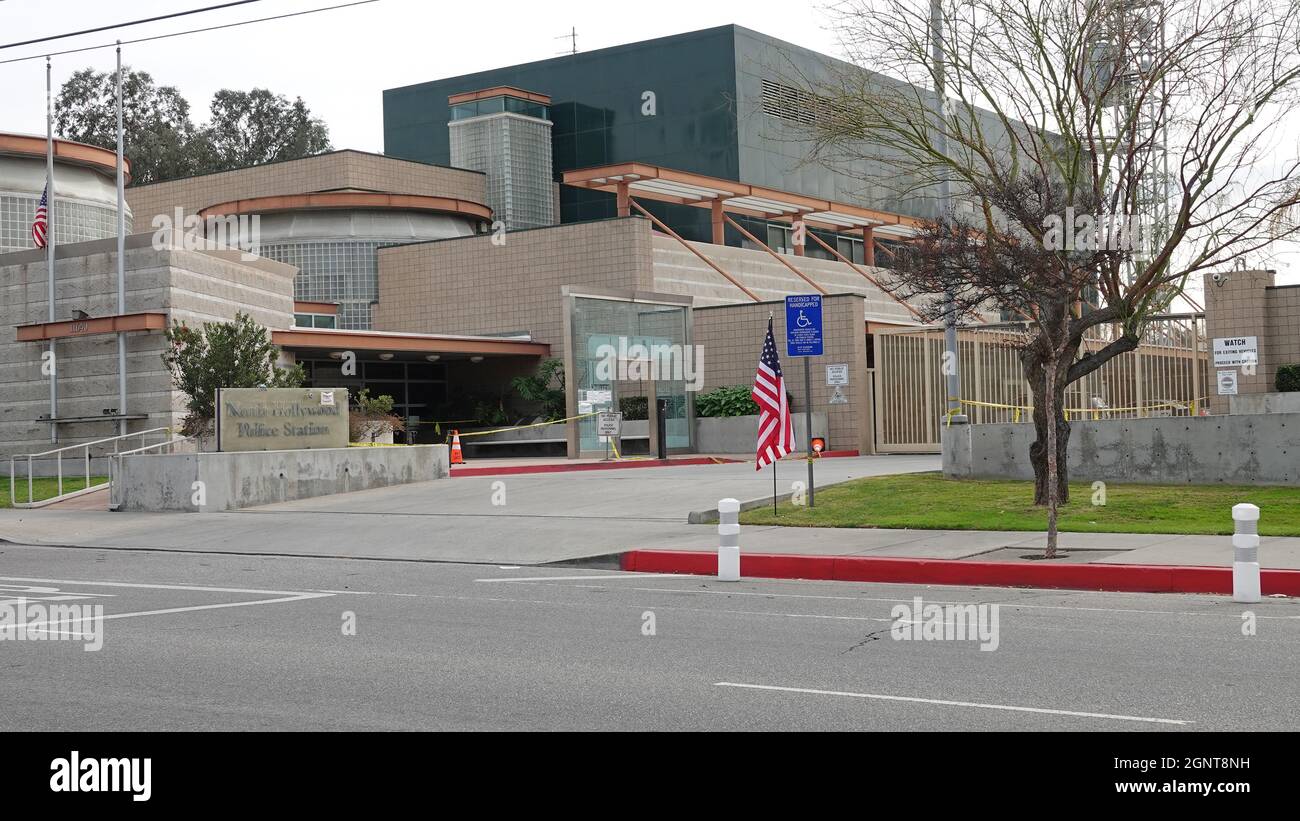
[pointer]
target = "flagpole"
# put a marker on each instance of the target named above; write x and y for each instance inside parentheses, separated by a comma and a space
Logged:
(121, 256)
(770, 316)
(50, 224)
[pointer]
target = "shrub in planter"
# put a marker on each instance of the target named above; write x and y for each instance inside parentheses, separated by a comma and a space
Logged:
(372, 419)
(1288, 378)
(733, 400)
(633, 408)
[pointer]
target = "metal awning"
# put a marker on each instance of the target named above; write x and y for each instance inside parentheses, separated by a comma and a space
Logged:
(684, 188)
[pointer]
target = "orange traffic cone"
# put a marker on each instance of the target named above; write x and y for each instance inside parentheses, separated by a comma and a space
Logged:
(457, 458)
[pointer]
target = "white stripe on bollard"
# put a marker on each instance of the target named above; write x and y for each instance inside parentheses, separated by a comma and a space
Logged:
(728, 540)
(1245, 558)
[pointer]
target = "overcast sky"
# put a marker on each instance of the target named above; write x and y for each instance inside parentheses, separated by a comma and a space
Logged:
(340, 61)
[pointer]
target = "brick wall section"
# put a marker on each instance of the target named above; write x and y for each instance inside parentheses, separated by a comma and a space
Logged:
(1283, 344)
(324, 172)
(1249, 304)
(469, 285)
(194, 287)
(732, 338)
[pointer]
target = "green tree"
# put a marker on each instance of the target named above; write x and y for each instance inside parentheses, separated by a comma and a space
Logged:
(258, 126)
(545, 388)
(155, 121)
(235, 354)
(1074, 114)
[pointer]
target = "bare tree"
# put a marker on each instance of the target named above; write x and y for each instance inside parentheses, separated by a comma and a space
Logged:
(1055, 123)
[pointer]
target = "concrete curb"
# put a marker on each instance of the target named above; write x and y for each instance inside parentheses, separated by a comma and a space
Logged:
(1131, 578)
(710, 516)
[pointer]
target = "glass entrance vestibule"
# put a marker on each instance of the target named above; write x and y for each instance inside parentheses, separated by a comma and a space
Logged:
(624, 351)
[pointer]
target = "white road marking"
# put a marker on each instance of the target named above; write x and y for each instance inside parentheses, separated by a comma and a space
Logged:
(948, 703)
(579, 578)
(282, 597)
(170, 610)
(249, 590)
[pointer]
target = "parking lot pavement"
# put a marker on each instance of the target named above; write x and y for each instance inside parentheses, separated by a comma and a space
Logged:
(248, 642)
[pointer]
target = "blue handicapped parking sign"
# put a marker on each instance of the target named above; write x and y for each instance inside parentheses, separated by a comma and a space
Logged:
(803, 325)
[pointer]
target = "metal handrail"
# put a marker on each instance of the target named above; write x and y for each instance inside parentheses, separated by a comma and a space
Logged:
(163, 444)
(84, 446)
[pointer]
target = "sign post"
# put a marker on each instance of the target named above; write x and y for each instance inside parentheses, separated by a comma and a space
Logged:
(803, 338)
(609, 426)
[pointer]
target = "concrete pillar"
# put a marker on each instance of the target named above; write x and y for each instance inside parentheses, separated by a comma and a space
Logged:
(624, 200)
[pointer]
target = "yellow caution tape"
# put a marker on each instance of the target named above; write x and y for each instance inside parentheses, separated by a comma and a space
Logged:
(534, 425)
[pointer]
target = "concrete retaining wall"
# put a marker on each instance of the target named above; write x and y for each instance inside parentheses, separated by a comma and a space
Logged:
(1234, 450)
(1264, 403)
(150, 482)
(737, 434)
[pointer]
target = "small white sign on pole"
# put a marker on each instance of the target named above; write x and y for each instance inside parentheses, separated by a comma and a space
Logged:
(608, 425)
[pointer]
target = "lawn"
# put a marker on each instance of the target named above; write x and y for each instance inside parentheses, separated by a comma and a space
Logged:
(44, 488)
(927, 501)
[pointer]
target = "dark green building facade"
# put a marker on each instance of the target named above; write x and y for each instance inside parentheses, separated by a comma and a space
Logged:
(721, 107)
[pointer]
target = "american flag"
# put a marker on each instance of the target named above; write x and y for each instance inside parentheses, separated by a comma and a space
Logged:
(775, 427)
(42, 222)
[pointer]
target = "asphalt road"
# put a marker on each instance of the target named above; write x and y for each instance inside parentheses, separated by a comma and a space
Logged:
(207, 642)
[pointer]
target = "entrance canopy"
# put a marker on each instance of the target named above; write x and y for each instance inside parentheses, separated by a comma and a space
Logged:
(328, 340)
(684, 188)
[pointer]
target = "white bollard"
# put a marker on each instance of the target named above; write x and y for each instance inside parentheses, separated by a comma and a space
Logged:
(728, 540)
(1245, 558)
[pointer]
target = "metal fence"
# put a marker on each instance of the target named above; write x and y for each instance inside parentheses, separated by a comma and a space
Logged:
(1166, 376)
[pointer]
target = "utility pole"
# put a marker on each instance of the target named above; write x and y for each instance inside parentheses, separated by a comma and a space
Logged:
(952, 358)
(121, 254)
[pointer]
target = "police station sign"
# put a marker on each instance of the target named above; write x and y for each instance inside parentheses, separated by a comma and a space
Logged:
(281, 418)
(1235, 351)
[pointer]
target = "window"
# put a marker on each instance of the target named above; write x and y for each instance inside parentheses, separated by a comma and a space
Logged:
(496, 105)
(315, 321)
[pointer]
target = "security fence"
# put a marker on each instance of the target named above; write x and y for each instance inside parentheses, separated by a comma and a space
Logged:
(1165, 376)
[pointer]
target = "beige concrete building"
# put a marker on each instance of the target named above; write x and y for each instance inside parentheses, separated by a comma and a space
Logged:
(164, 284)
(1242, 304)
(402, 267)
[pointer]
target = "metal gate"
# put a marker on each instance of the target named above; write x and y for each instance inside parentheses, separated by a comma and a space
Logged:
(1166, 376)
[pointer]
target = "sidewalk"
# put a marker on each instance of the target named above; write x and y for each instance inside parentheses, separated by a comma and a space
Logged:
(599, 516)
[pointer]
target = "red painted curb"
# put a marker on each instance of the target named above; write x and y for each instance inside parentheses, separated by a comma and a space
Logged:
(1125, 578)
(644, 463)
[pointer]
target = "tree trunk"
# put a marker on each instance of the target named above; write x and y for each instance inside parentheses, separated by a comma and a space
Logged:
(1046, 372)
(1038, 450)
(1052, 407)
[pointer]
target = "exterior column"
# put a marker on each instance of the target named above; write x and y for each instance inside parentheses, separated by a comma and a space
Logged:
(624, 200)
(719, 227)
(869, 246)
(795, 239)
